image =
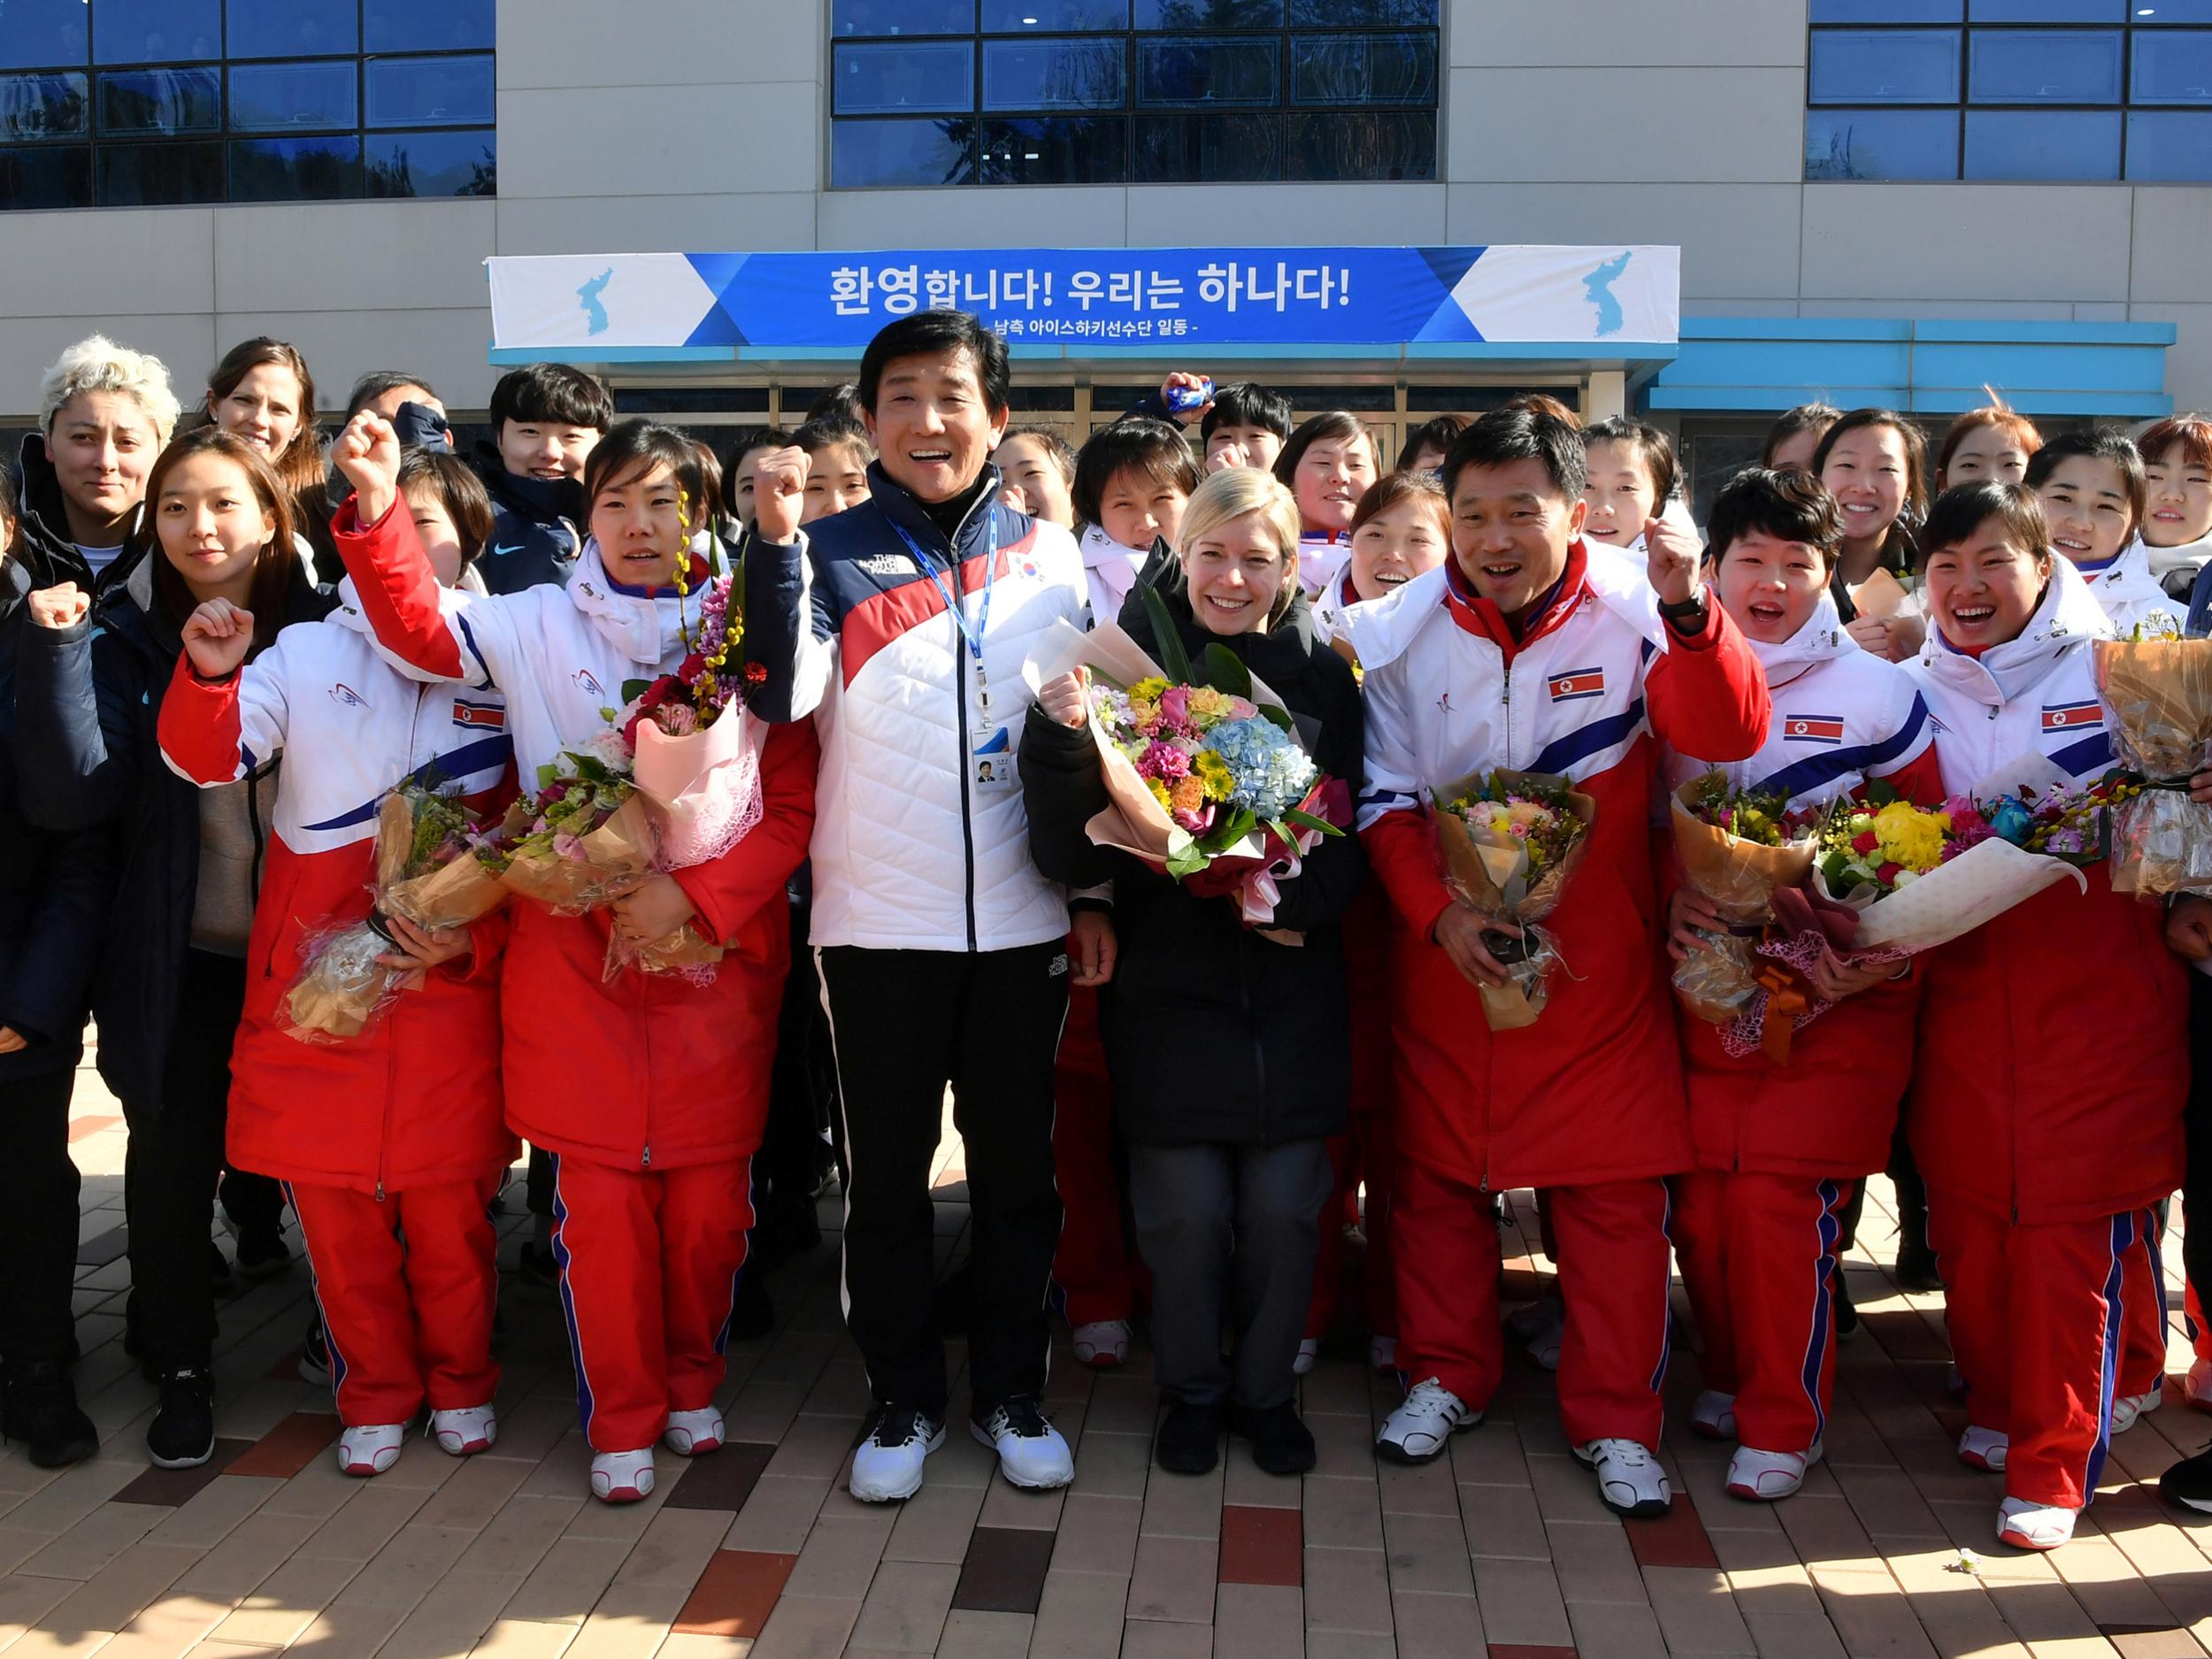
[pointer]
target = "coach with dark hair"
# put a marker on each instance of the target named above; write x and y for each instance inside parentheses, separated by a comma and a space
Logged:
(901, 625)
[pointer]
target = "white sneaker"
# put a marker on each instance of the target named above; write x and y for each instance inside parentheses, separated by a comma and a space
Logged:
(1419, 1430)
(2197, 1391)
(1628, 1477)
(1032, 1454)
(1984, 1448)
(1308, 1355)
(1103, 1344)
(370, 1448)
(1763, 1477)
(2026, 1525)
(1382, 1353)
(888, 1466)
(2127, 1407)
(693, 1433)
(465, 1431)
(622, 1476)
(1714, 1416)
(1542, 1327)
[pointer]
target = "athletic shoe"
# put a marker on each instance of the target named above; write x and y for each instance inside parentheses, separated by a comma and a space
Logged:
(1419, 1430)
(2127, 1407)
(1189, 1440)
(315, 1355)
(622, 1476)
(38, 1406)
(1630, 1479)
(370, 1448)
(2189, 1483)
(183, 1433)
(262, 1253)
(1542, 1328)
(693, 1433)
(465, 1431)
(1308, 1357)
(1103, 1344)
(2198, 1389)
(887, 1465)
(1714, 1416)
(1763, 1477)
(1031, 1455)
(2026, 1525)
(1281, 1443)
(1983, 1449)
(1382, 1353)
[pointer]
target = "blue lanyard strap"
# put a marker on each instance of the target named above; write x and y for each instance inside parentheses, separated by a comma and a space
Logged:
(972, 637)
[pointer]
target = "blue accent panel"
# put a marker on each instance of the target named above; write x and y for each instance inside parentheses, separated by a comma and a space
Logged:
(568, 1299)
(1830, 1230)
(1562, 752)
(251, 762)
(481, 756)
(469, 633)
(1666, 1318)
(1815, 769)
(2093, 753)
(2115, 1323)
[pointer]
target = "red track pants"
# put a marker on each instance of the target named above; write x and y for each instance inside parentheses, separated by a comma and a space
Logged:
(1759, 1259)
(2143, 1353)
(1614, 1271)
(2037, 1317)
(409, 1319)
(1095, 1268)
(648, 1275)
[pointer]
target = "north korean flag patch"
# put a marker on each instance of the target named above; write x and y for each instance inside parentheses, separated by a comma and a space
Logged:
(2066, 717)
(1577, 684)
(488, 717)
(1812, 728)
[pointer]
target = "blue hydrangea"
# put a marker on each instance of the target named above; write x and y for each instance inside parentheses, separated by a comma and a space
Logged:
(1272, 773)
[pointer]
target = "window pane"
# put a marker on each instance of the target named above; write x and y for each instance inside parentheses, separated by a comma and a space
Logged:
(1363, 70)
(44, 106)
(2043, 144)
(160, 175)
(291, 28)
(1894, 66)
(430, 91)
(2050, 11)
(294, 169)
(43, 34)
(57, 176)
(157, 31)
(1205, 73)
(2170, 146)
(431, 164)
(2045, 67)
(903, 17)
(1881, 144)
(2174, 68)
(1064, 150)
(265, 97)
(1388, 144)
(1208, 149)
(162, 101)
(426, 25)
(888, 79)
(1362, 13)
(1053, 17)
(1184, 15)
(1055, 74)
(900, 152)
(1887, 10)
(2164, 13)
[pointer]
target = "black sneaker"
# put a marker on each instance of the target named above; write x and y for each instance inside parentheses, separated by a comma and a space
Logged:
(315, 1355)
(39, 1408)
(262, 1253)
(183, 1435)
(2189, 1483)
(1281, 1443)
(1916, 1266)
(1032, 1454)
(1189, 1441)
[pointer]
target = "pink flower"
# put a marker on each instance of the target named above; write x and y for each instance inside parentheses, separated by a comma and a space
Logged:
(1165, 762)
(567, 845)
(1175, 707)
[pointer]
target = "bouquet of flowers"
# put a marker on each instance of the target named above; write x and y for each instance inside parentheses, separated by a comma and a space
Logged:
(1510, 840)
(585, 837)
(2160, 695)
(695, 748)
(430, 874)
(1737, 849)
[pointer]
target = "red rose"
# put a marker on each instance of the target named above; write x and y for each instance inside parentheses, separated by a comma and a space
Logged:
(1865, 842)
(755, 673)
(689, 670)
(1888, 874)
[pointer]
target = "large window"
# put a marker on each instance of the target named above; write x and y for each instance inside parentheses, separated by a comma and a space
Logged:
(146, 102)
(929, 92)
(2029, 89)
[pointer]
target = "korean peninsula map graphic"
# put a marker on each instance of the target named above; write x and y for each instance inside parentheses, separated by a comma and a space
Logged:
(1599, 286)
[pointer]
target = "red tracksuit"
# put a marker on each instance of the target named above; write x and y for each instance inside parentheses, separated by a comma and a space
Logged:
(1094, 1270)
(1588, 1101)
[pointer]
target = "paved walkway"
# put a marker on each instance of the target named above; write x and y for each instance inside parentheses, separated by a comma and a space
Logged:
(758, 1550)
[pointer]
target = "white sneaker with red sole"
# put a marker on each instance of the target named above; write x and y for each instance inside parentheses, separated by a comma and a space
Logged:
(1103, 1344)
(622, 1476)
(693, 1433)
(370, 1448)
(2127, 1407)
(2026, 1525)
(1765, 1477)
(465, 1431)
(1984, 1448)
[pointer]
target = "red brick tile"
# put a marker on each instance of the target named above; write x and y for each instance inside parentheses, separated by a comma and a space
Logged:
(79, 1129)
(1261, 1546)
(735, 1594)
(1676, 1539)
(288, 1448)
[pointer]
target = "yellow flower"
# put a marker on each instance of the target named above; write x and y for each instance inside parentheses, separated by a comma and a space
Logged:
(1151, 690)
(1208, 708)
(1213, 771)
(1160, 794)
(1909, 836)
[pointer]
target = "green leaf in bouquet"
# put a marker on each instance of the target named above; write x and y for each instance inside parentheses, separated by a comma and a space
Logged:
(1166, 639)
(633, 689)
(1306, 820)
(1279, 717)
(1880, 792)
(1190, 862)
(1227, 674)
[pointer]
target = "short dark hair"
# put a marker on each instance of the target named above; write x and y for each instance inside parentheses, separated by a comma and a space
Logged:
(2006, 419)
(840, 402)
(1901, 546)
(1790, 506)
(551, 393)
(744, 440)
(2192, 433)
(932, 333)
(1543, 403)
(1335, 426)
(1958, 513)
(459, 490)
(832, 432)
(2106, 444)
(1648, 441)
(632, 448)
(1248, 403)
(376, 383)
(1438, 435)
(1393, 487)
(1505, 435)
(1138, 444)
(1813, 417)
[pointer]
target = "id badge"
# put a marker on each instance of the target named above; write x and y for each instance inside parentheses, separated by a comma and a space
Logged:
(991, 767)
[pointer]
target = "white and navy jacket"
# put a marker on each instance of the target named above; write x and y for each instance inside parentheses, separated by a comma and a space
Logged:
(1321, 559)
(1110, 572)
(2130, 596)
(910, 852)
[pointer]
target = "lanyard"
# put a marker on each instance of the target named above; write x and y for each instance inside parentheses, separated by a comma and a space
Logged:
(972, 637)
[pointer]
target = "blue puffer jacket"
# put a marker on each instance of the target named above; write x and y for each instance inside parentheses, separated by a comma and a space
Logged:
(535, 535)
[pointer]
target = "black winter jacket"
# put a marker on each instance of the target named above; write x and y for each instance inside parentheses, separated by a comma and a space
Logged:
(44, 545)
(1212, 1032)
(88, 708)
(536, 535)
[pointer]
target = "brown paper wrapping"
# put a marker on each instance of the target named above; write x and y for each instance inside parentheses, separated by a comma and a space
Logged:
(1483, 869)
(616, 856)
(1740, 877)
(1879, 596)
(2160, 695)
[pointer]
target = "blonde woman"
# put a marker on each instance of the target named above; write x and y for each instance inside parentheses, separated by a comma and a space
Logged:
(106, 411)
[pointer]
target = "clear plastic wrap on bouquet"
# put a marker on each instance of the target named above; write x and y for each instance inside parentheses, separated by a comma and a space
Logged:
(575, 873)
(683, 953)
(2160, 695)
(1492, 873)
(343, 984)
(1738, 878)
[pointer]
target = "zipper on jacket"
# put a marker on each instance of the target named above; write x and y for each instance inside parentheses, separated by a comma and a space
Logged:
(960, 703)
